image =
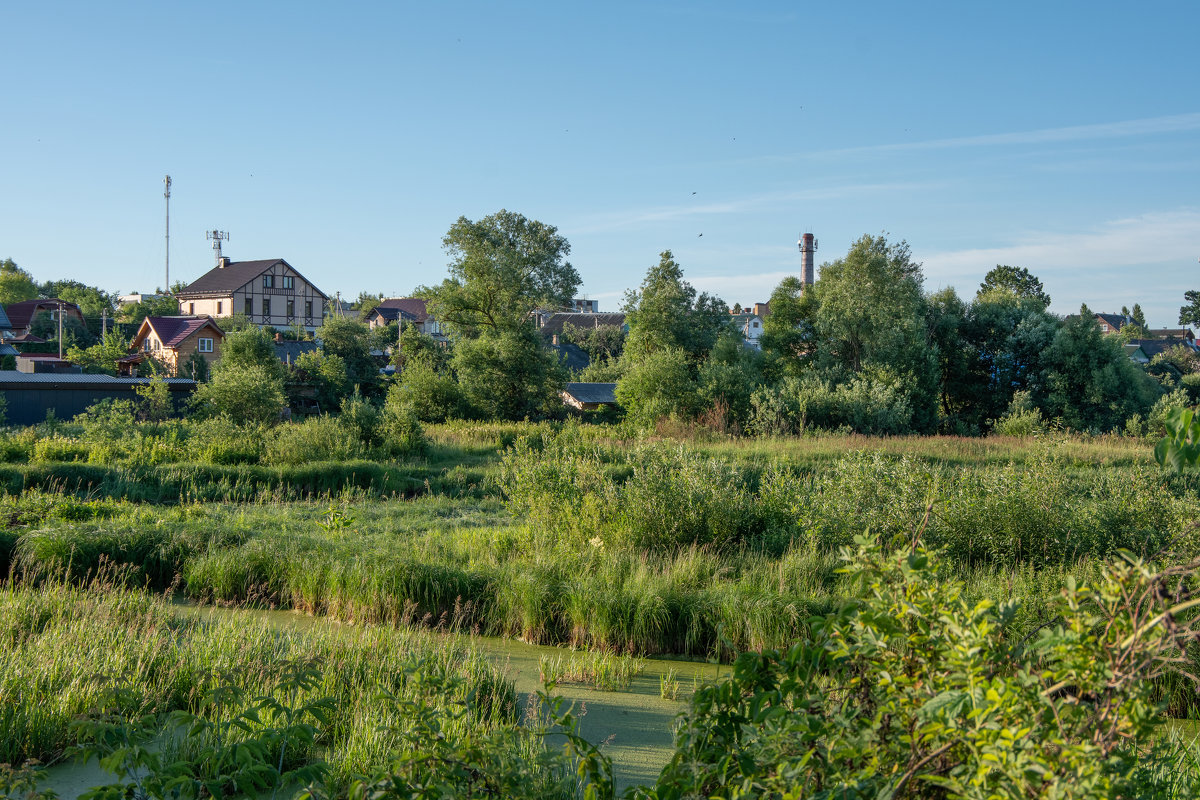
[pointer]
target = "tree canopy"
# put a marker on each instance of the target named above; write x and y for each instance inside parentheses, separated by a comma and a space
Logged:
(666, 313)
(16, 285)
(502, 267)
(1018, 280)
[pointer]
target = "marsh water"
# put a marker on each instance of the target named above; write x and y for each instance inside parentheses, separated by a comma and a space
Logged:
(633, 727)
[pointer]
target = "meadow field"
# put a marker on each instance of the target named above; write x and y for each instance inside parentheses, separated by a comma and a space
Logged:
(613, 546)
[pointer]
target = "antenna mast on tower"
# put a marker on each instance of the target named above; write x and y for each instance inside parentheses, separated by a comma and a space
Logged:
(167, 197)
(217, 237)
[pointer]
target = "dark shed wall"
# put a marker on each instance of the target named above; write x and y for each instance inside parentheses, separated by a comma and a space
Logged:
(28, 405)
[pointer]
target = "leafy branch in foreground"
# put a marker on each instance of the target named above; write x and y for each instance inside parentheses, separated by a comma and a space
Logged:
(910, 691)
(1181, 446)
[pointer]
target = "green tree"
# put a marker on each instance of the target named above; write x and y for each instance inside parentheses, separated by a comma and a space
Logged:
(427, 390)
(661, 384)
(789, 333)
(349, 340)
(1018, 280)
(151, 306)
(872, 321)
(243, 392)
(324, 375)
(1190, 313)
(502, 267)
(16, 285)
(509, 375)
(727, 380)
(156, 404)
(101, 357)
(196, 367)
(251, 347)
(93, 302)
(666, 313)
(1089, 382)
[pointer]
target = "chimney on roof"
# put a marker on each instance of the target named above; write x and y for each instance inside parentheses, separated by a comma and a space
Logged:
(222, 262)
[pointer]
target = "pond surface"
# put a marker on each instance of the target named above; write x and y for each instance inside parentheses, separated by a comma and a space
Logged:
(633, 727)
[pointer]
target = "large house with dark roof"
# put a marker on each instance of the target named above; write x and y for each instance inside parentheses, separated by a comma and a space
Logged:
(171, 341)
(268, 292)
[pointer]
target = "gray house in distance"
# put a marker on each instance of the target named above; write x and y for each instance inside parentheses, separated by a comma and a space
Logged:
(269, 292)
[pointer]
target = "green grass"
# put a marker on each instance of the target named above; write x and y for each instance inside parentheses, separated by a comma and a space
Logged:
(65, 646)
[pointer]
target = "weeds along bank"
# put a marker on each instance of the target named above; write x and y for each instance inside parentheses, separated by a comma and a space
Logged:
(80, 658)
(641, 548)
(907, 689)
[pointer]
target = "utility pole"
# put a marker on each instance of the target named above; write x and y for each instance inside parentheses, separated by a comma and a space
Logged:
(103, 323)
(60, 310)
(167, 196)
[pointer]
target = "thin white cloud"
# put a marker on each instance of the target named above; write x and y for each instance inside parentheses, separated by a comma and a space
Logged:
(1150, 126)
(1146, 239)
(1074, 133)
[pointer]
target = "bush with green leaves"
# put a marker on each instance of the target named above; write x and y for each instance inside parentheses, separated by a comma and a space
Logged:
(910, 691)
(864, 404)
(241, 392)
(1021, 419)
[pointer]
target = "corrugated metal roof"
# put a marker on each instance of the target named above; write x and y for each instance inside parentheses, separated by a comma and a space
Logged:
(592, 392)
(10, 377)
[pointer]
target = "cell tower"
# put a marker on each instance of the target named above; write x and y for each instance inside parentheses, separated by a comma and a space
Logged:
(167, 197)
(808, 251)
(217, 237)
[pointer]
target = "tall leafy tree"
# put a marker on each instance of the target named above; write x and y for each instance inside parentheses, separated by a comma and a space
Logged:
(1018, 280)
(509, 375)
(1190, 314)
(502, 267)
(349, 339)
(789, 335)
(666, 313)
(872, 322)
(16, 284)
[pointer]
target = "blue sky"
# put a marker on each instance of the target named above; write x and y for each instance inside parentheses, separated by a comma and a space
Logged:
(347, 138)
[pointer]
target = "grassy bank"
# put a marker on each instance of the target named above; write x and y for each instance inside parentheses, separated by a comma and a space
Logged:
(68, 647)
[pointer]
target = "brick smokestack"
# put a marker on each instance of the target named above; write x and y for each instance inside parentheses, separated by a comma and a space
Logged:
(808, 252)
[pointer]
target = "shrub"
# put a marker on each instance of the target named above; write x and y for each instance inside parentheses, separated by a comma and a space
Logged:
(1021, 419)
(1180, 398)
(401, 429)
(909, 690)
(361, 418)
(218, 440)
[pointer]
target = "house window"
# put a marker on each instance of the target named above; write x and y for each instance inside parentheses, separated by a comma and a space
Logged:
(218, 308)
(191, 308)
(249, 306)
(266, 307)
(308, 308)
(146, 345)
(206, 345)
(268, 281)
(291, 308)
(289, 282)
